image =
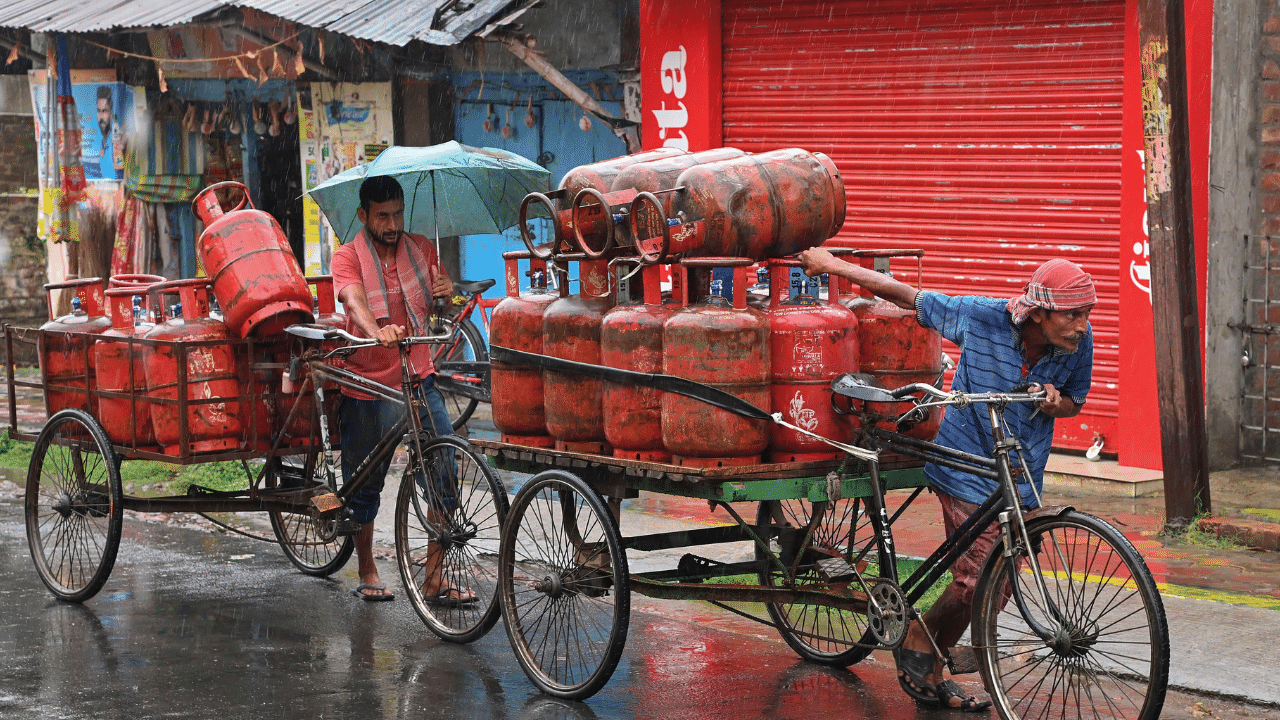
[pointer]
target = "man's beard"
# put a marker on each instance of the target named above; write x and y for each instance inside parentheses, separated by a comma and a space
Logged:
(382, 239)
(105, 127)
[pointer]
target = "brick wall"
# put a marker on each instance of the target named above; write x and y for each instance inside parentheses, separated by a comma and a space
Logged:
(17, 153)
(22, 253)
(1269, 130)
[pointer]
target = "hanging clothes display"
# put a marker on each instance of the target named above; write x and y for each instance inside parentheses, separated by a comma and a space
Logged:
(71, 187)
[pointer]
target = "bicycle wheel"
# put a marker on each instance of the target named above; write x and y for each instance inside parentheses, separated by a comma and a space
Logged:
(565, 587)
(841, 530)
(449, 521)
(464, 345)
(310, 543)
(1109, 656)
(74, 506)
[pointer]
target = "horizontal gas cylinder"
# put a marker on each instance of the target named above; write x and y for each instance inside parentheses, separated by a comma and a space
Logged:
(599, 219)
(771, 204)
(557, 208)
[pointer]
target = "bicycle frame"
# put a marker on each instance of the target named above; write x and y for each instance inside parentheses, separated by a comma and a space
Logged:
(1003, 506)
(321, 372)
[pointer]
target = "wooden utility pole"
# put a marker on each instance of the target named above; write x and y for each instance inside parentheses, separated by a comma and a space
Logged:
(1175, 303)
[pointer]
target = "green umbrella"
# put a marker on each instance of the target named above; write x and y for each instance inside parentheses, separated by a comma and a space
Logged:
(449, 189)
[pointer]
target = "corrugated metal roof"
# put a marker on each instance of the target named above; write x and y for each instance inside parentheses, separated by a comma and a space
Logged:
(395, 22)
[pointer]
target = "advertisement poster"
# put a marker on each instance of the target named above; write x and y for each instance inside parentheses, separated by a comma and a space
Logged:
(348, 125)
(106, 114)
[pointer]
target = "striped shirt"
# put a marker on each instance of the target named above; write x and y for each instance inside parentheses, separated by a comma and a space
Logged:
(991, 360)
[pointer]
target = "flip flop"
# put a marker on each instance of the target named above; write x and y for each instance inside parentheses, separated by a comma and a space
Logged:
(445, 597)
(383, 596)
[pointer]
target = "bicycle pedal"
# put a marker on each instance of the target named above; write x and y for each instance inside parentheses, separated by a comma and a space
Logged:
(962, 660)
(326, 503)
(837, 569)
(345, 527)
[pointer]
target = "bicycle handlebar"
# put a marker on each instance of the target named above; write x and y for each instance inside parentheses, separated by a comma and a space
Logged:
(960, 399)
(324, 332)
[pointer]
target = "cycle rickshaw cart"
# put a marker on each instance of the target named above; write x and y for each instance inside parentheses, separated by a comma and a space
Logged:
(219, 398)
(1067, 619)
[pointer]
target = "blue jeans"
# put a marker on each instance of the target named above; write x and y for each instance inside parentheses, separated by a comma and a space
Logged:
(362, 423)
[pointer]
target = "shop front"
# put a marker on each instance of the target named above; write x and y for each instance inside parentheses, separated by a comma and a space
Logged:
(995, 135)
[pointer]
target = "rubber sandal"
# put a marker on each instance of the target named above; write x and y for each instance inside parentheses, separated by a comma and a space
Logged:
(445, 597)
(383, 596)
(948, 689)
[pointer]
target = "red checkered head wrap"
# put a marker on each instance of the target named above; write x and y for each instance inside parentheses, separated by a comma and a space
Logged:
(1058, 285)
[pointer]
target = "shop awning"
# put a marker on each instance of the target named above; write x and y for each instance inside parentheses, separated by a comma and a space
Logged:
(394, 22)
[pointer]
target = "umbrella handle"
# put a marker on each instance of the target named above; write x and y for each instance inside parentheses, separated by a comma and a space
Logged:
(206, 206)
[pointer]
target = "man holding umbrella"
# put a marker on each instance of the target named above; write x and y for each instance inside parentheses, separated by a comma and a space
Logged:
(386, 278)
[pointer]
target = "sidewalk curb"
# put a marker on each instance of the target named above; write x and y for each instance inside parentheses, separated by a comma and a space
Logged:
(1264, 535)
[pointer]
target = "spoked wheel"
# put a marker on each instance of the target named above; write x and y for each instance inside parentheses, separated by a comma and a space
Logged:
(565, 587)
(464, 346)
(1108, 654)
(310, 543)
(74, 506)
(448, 527)
(833, 550)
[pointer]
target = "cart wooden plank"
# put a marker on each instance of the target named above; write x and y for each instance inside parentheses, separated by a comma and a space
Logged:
(623, 477)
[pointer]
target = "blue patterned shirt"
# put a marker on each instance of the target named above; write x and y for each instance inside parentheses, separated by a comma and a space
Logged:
(991, 360)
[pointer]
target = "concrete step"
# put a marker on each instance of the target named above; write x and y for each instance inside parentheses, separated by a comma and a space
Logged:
(1078, 474)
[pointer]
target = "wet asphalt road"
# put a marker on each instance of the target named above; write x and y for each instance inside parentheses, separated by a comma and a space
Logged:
(198, 624)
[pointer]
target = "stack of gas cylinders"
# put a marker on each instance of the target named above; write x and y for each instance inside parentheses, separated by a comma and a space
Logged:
(706, 223)
(191, 366)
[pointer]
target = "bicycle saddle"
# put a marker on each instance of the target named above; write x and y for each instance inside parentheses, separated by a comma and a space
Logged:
(471, 287)
(861, 386)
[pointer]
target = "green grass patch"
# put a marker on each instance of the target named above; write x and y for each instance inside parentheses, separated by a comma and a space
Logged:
(906, 566)
(145, 478)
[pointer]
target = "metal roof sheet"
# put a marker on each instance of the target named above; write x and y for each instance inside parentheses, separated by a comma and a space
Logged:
(395, 22)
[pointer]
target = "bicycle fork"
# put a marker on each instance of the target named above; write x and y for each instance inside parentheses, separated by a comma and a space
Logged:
(1016, 540)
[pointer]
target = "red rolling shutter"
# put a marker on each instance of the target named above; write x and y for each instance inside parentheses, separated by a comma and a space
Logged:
(987, 133)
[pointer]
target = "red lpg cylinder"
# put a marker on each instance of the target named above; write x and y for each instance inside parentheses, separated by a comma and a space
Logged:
(121, 368)
(519, 412)
(133, 280)
(299, 425)
(725, 345)
(591, 206)
(254, 274)
(194, 354)
(66, 359)
(558, 204)
(757, 206)
(894, 348)
(571, 331)
(140, 281)
(811, 343)
(631, 339)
